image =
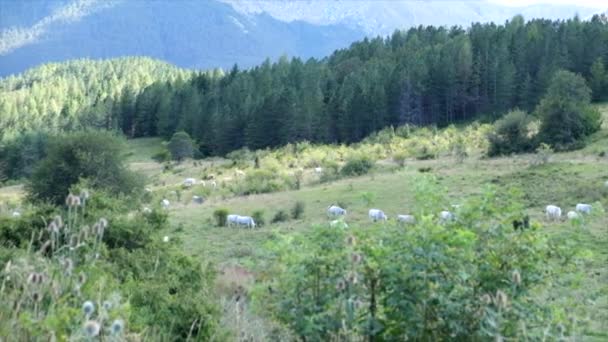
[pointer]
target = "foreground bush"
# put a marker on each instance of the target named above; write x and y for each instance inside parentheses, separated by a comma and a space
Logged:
(69, 276)
(470, 279)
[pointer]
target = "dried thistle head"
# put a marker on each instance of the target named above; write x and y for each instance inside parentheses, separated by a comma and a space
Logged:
(356, 258)
(82, 278)
(103, 223)
(88, 308)
(58, 220)
(107, 305)
(341, 285)
(45, 246)
(32, 278)
(92, 328)
(73, 241)
(351, 240)
(501, 299)
(352, 277)
(516, 278)
(53, 227)
(36, 297)
(486, 299)
(72, 200)
(117, 326)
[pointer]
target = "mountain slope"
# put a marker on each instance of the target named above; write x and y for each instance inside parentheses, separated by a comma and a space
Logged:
(198, 34)
(382, 17)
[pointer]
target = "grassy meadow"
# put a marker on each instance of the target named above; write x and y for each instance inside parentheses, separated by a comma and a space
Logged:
(565, 179)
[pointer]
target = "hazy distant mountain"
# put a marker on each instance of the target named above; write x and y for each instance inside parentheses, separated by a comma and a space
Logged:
(196, 34)
(210, 33)
(384, 16)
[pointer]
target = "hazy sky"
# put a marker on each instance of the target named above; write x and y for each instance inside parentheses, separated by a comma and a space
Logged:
(587, 3)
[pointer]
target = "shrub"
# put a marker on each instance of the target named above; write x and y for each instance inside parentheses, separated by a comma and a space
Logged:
(220, 216)
(181, 146)
(96, 156)
(258, 217)
(543, 154)
(400, 157)
(280, 216)
(357, 166)
(378, 283)
(162, 156)
(566, 112)
(19, 156)
(259, 181)
(511, 134)
(297, 212)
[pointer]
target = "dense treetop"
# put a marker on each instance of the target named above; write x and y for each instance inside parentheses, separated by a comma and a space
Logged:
(426, 75)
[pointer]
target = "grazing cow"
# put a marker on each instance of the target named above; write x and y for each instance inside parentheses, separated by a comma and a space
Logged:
(232, 220)
(246, 221)
(338, 224)
(446, 216)
(318, 170)
(165, 203)
(572, 215)
(198, 199)
(16, 214)
(376, 215)
(522, 224)
(407, 219)
(188, 182)
(583, 208)
(553, 212)
(147, 210)
(334, 210)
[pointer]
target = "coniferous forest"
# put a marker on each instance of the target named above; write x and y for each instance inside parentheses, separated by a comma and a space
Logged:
(422, 76)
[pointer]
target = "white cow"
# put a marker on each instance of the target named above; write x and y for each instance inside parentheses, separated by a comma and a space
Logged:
(334, 210)
(318, 170)
(232, 220)
(583, 208)
(16, 214)
(376, 215)
(246, 221)
(188, 182)
(338, 224)
(572, 215)
(407, 219)
(446, 216)
(553, 212)
(165, 203)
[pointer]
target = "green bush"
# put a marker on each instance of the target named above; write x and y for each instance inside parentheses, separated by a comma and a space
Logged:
(280, 216)
(566, 112)
(382, 283)
(96, 156)
(297, 212)
(181, 146)
(258, 217)
(220, 216)
(162, 156)
(511, 134)
(259, 181)
(357, 166)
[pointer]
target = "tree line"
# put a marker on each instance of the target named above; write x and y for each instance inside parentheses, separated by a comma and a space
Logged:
(425, 75)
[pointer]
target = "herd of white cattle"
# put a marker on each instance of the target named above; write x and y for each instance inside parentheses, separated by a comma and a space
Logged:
(552, 212)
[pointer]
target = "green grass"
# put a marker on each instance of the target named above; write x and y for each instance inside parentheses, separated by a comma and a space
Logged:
(143, 149)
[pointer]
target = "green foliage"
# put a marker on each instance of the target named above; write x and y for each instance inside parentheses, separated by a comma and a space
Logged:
(280, 216)
(20, 155)
(162, 156)
(400, 157)
(566, 113)
(181, 146)
(258, 218)
(469, 280)
(543, 154)
(259, 181)
(357, 166)
(511, 134)
(220, 216)
(297, 211)
(68, 275)
(95, 156)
